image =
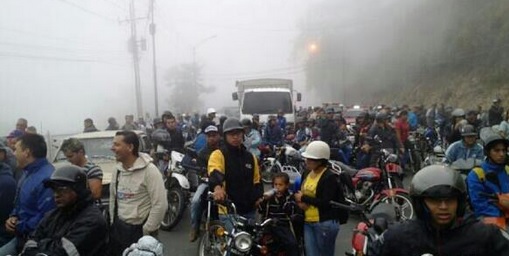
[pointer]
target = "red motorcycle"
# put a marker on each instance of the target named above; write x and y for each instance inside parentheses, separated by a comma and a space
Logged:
(371, 186)
(371, 226)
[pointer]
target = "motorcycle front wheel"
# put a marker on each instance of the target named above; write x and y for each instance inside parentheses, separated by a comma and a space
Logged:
(401, 201)
(176, 207)
(210, 244)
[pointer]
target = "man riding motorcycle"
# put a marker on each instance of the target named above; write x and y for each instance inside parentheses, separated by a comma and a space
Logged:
(488, 185)
(466, 148)
(442, 227)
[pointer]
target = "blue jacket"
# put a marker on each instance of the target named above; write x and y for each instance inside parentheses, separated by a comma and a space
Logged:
(200, 142)
(273, 135)
(252, 140)
(33, 200)
(7, 193)
(413, 121)
(458, 150)
(481, 204)
(281, 121)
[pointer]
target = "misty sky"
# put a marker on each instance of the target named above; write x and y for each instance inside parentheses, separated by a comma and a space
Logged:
(62, 61)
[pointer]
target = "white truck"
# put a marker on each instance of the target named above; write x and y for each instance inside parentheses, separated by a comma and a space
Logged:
(265, 97)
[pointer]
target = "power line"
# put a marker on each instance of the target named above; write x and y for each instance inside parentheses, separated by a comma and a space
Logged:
(88, 11)
(53, 58)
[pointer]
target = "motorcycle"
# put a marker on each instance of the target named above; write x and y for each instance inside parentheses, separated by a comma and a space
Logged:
(242, 239)
(180, 182)
(371, 226)
(464, 166)
(437, 156)
(372, 186)
(283, 159)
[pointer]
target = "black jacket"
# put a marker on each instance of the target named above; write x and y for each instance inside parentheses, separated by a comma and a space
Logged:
(466, 238)
(82, 228)
(236, 170)
(327, 189)
(328, 131)
(176, 141)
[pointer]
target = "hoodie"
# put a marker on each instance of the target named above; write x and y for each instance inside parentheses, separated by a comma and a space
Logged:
(141, 195)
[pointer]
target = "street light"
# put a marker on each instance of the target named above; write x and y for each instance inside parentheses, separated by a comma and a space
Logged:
(194, 55)
(313, 47)
(199, 44)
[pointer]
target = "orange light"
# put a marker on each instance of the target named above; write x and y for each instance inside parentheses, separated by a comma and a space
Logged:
(312, 47)
(219, 231)
(264, 250)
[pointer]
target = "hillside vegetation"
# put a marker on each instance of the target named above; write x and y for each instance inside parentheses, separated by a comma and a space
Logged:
(415, 52)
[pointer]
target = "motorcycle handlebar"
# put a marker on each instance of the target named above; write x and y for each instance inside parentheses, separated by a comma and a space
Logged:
(350, 208)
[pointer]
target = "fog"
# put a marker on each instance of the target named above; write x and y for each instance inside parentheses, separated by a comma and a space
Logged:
(62, 61)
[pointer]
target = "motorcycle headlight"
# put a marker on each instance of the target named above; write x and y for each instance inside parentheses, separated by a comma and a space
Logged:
(242, 242)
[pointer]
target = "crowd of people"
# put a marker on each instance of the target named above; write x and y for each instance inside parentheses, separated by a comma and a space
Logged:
(58, 212)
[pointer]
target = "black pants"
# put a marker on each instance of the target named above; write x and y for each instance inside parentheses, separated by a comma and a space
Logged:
(122, 235)
(286, 239)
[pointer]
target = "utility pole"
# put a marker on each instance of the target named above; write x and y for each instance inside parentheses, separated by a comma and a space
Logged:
(134, 50)
(153, 33)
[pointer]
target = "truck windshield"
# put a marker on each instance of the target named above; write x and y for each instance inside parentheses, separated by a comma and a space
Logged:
(266, 102)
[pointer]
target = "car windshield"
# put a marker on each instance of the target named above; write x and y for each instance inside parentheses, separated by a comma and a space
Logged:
(94, 148)
(266, 102)
(353, 112)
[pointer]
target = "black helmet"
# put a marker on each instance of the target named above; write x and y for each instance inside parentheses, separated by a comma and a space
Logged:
(437, 181)
(381, 116)
(157, 120)
(232, 124)
(467, 130)
(490, 137)
(246, 122)
(69, 175)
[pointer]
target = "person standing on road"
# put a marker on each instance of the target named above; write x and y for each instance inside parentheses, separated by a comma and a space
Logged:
(213, 140)
(32, 199)
(76, 226)
(129, 124)
(319, 186)
(137, 194)
(234, 173)
(112, 124)
(75, 153)
(252, 138)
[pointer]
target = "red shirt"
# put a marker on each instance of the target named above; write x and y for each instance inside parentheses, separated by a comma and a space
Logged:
(403, 128)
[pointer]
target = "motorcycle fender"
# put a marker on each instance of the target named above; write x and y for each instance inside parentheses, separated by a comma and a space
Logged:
(389, 192)
(182, 180)
(359, 238)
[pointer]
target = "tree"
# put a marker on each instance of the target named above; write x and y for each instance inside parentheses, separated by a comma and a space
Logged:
(186, 84)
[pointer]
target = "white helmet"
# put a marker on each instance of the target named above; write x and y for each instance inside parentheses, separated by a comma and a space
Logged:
(210, 111)
(146, 246)
(317, 150)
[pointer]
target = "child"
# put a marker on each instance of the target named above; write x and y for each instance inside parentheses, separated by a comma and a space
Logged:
(279, 204)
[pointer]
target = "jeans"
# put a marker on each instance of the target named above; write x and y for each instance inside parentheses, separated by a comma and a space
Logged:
(196, 206)
(320, 237)
(9, 248)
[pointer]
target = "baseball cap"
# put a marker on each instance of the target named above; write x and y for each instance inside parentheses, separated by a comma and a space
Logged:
(211, 128)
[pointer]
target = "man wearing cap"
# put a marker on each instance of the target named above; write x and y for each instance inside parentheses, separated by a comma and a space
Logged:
(213, 141)
(33, 200)
(13, 137)
(76, 226)
(7, 190)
